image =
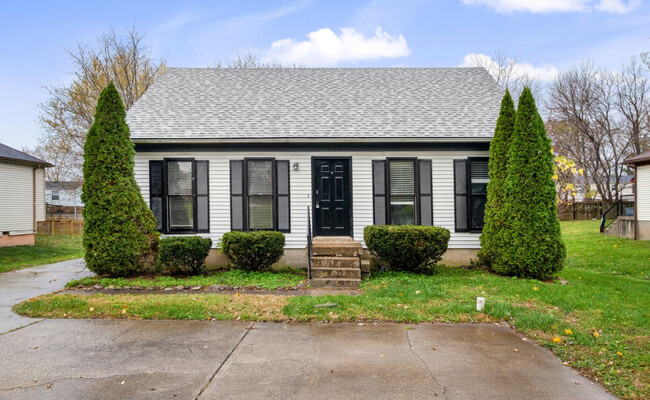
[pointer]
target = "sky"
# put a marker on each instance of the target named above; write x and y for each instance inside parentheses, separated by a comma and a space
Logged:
(546, 37)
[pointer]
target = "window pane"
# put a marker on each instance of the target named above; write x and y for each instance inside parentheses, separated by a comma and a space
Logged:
(179, 178)
(478, 211)
(402, 192)
(260, 212)
(401, 178)
(479, 176)
(181, 212)
(402, 214)
(260, 178)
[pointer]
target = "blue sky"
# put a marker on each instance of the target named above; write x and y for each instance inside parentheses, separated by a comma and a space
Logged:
(546, 36)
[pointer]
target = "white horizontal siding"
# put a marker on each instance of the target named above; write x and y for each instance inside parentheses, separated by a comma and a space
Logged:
(16, 199)
(300, 189)
(643, 192)
(40, 195)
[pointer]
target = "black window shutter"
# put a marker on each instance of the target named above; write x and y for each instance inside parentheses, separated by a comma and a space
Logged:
(202, 197)
(237, 195)
(426, 204)
(460, 195)
(282, 191)
(379, 191)
(156, 191)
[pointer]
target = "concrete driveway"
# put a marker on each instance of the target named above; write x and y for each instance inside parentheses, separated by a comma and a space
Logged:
(121, 359)
(18, 286)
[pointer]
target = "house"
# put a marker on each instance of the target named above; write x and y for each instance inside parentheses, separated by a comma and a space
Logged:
(63, 199)
(22, 196)
(343, 148)
(640, 223)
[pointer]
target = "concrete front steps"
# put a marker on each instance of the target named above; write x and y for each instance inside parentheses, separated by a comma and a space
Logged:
(335, 263)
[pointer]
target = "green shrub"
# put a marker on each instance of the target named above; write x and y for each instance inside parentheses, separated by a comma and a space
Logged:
(184, 255)
(532, 242)
(120, 236)
(407, 247)
(493, 231)
(253, 251)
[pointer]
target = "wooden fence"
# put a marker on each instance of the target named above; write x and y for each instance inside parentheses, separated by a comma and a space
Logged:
(54, 227)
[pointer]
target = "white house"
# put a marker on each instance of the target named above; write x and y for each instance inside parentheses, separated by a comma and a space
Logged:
(63, 199)
(22, 196)
(641, 164)
(227, 149)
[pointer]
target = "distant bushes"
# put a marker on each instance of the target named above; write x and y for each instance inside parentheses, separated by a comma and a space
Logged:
(406, 247)
(184, 255)
(253, 251)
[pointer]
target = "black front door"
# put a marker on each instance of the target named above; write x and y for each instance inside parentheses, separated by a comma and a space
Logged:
(332, 197)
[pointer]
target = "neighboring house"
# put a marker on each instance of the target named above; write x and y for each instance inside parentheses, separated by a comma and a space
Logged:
(641, 221)
(22, 196)
(63, 199)
(625, 189)
(227, 149)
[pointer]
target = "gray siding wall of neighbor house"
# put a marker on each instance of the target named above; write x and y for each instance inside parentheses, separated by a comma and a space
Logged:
(643, 201)
(17, 198)
(301, 187)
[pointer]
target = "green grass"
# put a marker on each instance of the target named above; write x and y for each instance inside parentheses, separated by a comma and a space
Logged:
(46, 250)
(265, 280)
(599, 318)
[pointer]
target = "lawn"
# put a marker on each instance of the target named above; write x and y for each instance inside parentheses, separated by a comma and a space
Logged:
(48, 249)
(236, 278)
(595, 317)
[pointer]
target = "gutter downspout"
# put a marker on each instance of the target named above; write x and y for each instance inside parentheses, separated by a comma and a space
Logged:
(34, 199)
(636, 211)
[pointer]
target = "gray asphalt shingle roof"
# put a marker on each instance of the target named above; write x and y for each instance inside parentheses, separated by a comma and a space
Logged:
(333, 103)
(12, 155)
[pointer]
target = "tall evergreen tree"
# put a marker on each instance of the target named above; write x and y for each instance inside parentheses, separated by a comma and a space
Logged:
(492, 236)
(532, 245)
(120, 236)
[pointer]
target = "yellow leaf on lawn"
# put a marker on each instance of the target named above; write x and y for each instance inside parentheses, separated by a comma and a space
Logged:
(596, 334)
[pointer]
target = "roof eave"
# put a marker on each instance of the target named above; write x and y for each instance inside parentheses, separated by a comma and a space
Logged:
(43, 164)
(310, 140)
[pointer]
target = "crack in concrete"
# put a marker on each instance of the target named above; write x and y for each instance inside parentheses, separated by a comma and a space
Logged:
(444, 388)
(246, 331)
(72, 378)
(21, 327)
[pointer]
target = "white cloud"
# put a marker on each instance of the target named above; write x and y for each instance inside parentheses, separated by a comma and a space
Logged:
(543, 72)
(325, 48)
(617, 6)
(549, 6)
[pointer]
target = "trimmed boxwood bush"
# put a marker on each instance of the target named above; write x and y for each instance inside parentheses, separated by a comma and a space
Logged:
(407, 247)
(253, 251)
(184, 255)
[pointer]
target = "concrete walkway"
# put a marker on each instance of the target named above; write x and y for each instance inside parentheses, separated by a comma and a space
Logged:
(119, 359)
(17, 286)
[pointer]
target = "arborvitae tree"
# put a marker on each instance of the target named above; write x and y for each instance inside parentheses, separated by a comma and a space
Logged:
(532, 246)
(120, 236)
(492, 236)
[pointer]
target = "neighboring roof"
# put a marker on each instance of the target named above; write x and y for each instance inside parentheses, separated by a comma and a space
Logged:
(213, 104)
(62, 185)
(638, 158)
(10, 154)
